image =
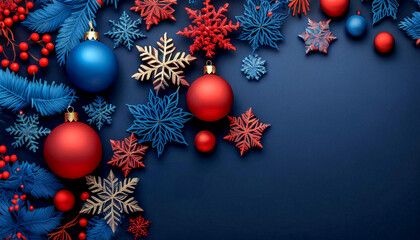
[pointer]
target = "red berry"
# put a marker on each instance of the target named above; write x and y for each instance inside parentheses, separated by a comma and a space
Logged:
(46, 38)
(8, 21)
(23, 46)
(29, 5)
(15, 18)
(45, 52)
(21, 186)
(16, 196)
(6, 12)
(32, 70)
(17, 169)
(13, 158)
(34, 37)
(82, 236)
(18, 1)
(269, 14)
(3, 149)
(2, 164)
(14, 67)
(22, 17)
(43, 62)
(21, 10)
(24, 55)
(1, 49)
(23, 197)
(6, 175)
(31, 208)
(1, 176)
(14, 201)
(10, 209)
(7, 158)
(5, 63)
(17, 207)
(50, 46)
(83, 222)
(84, 196)
(20, 112)
(100, 2)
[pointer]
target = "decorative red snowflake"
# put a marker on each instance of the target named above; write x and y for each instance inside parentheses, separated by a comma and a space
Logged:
(138, 227)
(300, 6)
(246, 131)
(153, 11)
(127, 154)
(210, 30)
(317, 36)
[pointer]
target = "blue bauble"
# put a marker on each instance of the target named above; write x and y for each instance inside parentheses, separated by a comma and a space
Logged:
(92, 66)
(356, 26)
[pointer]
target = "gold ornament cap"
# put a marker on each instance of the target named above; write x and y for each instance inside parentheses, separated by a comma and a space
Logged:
(209, 68)
(91, 34)
(71, 115)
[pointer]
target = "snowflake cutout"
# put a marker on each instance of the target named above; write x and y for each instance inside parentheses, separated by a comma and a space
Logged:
(411, 26)
(27, 132)
(299, 6)
(384, 8)
(246, 131)
(99, 112)
(317, 36)
(127, 154)
(112, 198)
(166, 68)
(138, 227)
(253, 67)
(125, 31)
(211, 28)
(260, 24)
(159, 121)
(153, 11)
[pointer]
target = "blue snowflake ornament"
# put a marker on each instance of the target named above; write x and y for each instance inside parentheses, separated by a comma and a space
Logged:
(384, 8)
(160, 121)
(125, 31)
(317, 36)
(27, 132)
(253, 67)
(411, 26)
(261, 24)
(99, 112)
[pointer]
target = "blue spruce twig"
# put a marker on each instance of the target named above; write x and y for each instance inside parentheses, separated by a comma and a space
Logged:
(98, 229)
(125, 31)
(384, 8)
(411, 26)
(99, 112)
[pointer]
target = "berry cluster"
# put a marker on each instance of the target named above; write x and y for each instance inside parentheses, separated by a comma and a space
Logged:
(11, 12)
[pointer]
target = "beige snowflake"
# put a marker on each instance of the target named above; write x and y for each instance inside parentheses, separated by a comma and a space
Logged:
(167, 67)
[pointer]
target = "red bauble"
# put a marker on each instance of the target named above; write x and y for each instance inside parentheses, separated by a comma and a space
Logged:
(204, 141)
(64, 200)
(334, 8)
(73, 150)
(83, 222)
(210, 97)
(84, 196)
(384, 42)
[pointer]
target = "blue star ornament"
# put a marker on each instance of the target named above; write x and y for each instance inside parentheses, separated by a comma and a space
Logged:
(125, 31)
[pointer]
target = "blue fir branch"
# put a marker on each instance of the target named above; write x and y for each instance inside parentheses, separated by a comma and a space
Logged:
(418, 2)
(384, 8)
(115, 2)
(411, 26)
(37, 181)
(160, 121)
(17, 93)
(99, 112)
(98, 229)
(253, 67)
(125, 31)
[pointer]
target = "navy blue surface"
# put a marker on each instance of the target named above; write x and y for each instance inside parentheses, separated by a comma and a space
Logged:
(340, 161)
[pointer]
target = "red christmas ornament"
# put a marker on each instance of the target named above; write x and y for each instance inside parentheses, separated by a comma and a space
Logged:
(73, 149)
(210, 97)
(384, 42)
(84, 196)
(83, 222)
(334, 8)
(204, 141)
(82, 236)
(64, 200)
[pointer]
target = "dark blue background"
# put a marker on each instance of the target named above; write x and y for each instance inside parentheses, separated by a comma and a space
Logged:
(340, 161)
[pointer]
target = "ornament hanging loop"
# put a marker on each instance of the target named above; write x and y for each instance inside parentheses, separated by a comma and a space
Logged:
(71, 115)
(91, 34)
(209, 68)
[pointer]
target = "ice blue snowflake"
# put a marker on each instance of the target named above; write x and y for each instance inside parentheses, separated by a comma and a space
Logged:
(27, 132)
(160, 121)
(261, 24)
(99, 112)
(384, 8)
(253, 67)
(412, 26)
(125, 31)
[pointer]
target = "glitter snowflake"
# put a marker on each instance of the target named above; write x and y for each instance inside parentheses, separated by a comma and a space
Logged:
(112, 198)
(299, 6)
(261, 24)
(253, 67)
(411, 26)
(99, 112)
(125, 31)
(127, 154)
(160, 121)
(384, 8)
(138, 227)
(153, 11)
(27, 132)
(211, 28)
(317, 36)
(165, 68)
(246, 131)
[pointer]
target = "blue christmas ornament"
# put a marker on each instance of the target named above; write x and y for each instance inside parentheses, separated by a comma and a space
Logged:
(356, 26)
(92, 66)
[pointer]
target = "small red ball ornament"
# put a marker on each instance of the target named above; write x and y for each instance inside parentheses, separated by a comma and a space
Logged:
(82, 236)
(64, 200)
(73, 149)
(334, 8)
(384, 42)
(83, 222)
(204, 141)
(84, 196)
(210, 97)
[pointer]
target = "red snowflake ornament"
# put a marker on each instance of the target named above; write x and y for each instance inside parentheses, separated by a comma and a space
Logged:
(153, 11)
(128, 154)
(246, 131)
(211, 28)
(299, 6)
(138, 227)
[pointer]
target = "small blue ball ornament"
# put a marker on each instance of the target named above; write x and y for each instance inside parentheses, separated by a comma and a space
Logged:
(356, 26)
(91, 65)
